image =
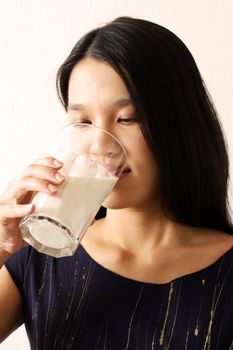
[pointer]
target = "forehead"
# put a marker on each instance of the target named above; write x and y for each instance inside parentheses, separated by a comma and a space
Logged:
(95, 79)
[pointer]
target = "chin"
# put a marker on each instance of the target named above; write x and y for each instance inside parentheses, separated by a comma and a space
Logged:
(115, 201)
(113, 205)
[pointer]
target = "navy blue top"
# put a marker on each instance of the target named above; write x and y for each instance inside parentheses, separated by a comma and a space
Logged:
(75, 303)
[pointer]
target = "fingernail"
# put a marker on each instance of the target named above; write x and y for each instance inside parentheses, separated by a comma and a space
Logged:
(52, 188)
(29, 206)
(57, 162)
(59, 177)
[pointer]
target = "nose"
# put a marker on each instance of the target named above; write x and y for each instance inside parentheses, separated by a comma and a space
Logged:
(103, 144)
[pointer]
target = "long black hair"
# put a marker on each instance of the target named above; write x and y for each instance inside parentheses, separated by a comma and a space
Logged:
(175, 113)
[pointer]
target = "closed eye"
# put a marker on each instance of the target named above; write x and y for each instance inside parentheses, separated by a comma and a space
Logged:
(127, 120)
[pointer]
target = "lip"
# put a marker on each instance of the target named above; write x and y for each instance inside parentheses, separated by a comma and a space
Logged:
(124, 173)
(117, 170)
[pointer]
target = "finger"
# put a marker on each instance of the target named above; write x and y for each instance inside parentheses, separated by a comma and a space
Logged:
(43, 172)
(20, 189)
(50, 161)
(12, 211)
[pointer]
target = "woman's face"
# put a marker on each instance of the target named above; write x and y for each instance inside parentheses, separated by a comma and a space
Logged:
(97, 95)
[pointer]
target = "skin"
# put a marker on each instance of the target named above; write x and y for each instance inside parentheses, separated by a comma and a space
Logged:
(42, 176)
(135, 239)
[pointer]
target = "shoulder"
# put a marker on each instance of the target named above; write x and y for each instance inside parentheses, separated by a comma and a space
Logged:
(213, 244)
(210, 238)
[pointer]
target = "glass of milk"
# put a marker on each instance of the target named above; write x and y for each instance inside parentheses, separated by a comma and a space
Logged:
(93, 162)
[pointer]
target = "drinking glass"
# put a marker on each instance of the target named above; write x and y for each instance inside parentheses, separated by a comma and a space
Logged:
(93, 162)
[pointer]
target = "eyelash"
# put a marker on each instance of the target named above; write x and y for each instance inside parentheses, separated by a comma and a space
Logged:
(127, 120)
(123, 120)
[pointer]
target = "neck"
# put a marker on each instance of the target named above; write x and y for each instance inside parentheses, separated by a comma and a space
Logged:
(134, 230)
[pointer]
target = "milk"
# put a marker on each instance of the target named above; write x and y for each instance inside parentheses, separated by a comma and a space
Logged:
(66, 215)
(76, 203)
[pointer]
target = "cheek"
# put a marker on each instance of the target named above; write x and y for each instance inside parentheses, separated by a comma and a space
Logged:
(141, 160)
(145, 157)
(148, 171)
(131, 138)
(139, 187)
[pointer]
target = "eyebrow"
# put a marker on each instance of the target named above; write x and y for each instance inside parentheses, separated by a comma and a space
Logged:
(122, 102)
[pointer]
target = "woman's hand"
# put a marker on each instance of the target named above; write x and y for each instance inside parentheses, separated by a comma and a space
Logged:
(41, 176)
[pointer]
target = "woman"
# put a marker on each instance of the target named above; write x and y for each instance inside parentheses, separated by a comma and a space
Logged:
(156, 272)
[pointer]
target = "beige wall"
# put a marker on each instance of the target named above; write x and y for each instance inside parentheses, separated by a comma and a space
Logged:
(35, 37)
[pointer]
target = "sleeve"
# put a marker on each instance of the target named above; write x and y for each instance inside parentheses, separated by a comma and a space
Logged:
(16, 266)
